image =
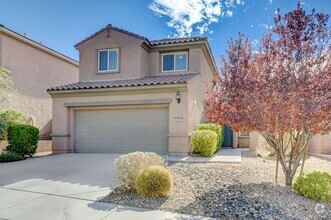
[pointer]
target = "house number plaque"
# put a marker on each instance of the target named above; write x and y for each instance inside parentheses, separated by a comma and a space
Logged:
(178, 119)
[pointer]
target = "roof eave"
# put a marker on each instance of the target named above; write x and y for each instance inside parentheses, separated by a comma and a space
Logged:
(178, 44)
(32, 43)
(127, 88)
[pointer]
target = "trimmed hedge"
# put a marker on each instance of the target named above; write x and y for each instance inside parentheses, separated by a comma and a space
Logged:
(204, 142)
(10, 157)
(22, 139)
(315, 185)
(219, 129)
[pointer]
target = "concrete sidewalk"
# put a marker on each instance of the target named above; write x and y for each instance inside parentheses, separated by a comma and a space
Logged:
(222, 156)
(28, 205)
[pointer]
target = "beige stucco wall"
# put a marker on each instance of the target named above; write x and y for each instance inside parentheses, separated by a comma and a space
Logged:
(33, 71)
(131, 56)
(64, 117)
(145, 62)
(194, 60)
(197, 87)
(253, 140)
(244, 141)
(320, 144)
(135, 59)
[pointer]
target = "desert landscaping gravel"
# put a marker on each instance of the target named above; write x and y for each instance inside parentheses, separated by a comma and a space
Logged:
(232, 191)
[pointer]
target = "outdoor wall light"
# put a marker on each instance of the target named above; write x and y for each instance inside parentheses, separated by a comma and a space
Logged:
(178, 97)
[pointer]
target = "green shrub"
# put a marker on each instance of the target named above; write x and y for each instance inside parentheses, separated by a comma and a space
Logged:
(22, 139)
(204, 142)
(13, 116)
(3, 126)
(154, 181)
(10, 157)
(315, 185)
(219, 129)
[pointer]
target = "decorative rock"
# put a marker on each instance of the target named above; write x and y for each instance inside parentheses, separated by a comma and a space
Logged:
(218, 191)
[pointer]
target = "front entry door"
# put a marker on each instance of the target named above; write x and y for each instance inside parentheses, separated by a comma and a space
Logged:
(228, 137)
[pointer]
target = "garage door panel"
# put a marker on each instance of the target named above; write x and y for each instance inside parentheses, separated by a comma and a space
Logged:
(122, 130)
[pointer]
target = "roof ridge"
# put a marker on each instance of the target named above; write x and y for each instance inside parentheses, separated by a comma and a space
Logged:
(109, 26)
(150, 42)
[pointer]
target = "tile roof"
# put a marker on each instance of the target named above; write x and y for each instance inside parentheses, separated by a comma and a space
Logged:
(177, 40)
(110, 27)
(152, 42)
(143, 81)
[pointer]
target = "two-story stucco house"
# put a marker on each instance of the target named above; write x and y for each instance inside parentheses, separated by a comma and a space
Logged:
(33, 68)
(133, 94)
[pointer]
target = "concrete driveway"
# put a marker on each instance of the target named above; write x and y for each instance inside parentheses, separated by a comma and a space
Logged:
(65, 187)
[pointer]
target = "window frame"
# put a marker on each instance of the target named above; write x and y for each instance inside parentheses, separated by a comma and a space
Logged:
(174, 70)
(108, 70)
(243, 136)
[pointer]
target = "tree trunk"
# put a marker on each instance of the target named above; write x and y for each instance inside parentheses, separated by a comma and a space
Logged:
(276, 176)
(289, 164)
(304, 160)
(288, 180)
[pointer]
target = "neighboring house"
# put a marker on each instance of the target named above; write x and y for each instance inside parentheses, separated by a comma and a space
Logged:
(320, 144)
(133, 94)
(33, 68)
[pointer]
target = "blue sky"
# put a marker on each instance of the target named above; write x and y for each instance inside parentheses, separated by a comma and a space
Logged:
(60, 24)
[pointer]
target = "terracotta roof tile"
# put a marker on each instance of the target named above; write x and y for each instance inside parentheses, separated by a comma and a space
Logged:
(151, 43)
(177, 40)
(143, 81)
(110, 27)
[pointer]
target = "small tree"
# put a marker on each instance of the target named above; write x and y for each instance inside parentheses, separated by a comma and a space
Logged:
(283, 89)
(5, 83)
(13, 116)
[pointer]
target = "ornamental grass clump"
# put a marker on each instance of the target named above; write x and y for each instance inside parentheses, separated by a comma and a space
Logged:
(128, 166)
(315, 186)
(154, 181)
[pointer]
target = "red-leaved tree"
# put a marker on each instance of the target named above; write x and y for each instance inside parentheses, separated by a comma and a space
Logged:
(281, 90)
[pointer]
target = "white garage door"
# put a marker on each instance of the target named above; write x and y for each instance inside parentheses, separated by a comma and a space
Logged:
(122, 130)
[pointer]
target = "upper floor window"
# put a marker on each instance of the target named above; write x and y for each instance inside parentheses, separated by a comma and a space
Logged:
(108, 60)
(174, 62)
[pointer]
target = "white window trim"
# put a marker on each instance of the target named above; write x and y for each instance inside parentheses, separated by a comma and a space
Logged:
(164, 71)
(108, 70)
(243, 136)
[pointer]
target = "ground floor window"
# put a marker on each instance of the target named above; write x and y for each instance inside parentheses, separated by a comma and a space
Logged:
(243, 134)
